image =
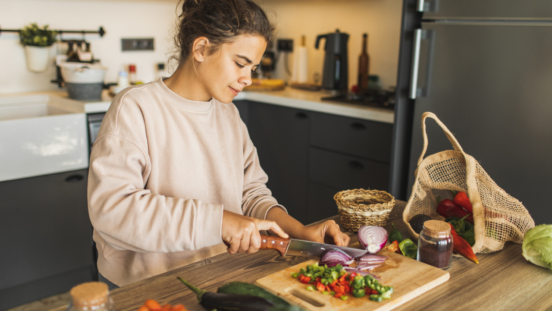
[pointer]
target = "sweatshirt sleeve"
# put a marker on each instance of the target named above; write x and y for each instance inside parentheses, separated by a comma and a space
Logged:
(257, 199)
(130, 217)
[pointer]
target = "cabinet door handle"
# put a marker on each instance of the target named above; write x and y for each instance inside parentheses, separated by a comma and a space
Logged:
(302, 115)
(356, 165)
(358, 126)
(74, 178)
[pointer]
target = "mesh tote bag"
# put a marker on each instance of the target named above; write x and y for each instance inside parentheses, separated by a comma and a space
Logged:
(498, 217)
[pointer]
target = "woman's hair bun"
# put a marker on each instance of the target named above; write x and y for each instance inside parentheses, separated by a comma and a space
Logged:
(220, 21)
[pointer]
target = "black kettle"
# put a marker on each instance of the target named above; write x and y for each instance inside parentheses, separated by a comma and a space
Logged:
(336, 74)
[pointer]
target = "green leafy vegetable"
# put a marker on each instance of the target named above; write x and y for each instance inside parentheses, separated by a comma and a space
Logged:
(537, 246)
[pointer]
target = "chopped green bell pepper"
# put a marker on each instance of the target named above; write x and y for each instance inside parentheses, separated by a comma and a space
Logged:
(408, 248)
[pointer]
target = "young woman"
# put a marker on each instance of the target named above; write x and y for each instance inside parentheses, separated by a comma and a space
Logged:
(173, 172)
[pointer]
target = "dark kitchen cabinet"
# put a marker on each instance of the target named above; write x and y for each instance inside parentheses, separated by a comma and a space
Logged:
(310, 156)
(45, 237)
(281, 136)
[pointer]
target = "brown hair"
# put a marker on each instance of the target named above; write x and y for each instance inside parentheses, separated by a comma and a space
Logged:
(219, 21)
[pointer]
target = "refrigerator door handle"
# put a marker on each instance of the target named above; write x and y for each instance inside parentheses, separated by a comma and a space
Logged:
(415, 62)
(419, 35)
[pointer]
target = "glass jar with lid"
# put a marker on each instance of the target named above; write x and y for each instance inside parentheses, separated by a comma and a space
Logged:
(91, 296)
(435, 244)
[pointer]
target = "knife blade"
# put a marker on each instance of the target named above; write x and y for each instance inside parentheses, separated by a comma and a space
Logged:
(295, 247)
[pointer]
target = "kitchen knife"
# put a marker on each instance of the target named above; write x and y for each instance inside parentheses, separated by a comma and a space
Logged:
(294, 247)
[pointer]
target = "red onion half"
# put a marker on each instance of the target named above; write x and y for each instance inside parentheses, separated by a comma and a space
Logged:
(372, 238)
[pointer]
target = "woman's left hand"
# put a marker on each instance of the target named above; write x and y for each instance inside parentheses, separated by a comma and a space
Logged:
(326, 232)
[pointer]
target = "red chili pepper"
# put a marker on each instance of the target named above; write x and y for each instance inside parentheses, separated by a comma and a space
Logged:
(462, 247)
(461, 198)
(448, 208)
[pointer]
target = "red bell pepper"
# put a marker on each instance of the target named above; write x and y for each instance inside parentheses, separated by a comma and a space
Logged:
(461, 198)
(448, 208)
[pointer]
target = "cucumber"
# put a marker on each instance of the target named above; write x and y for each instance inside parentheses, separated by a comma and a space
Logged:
(250, 289)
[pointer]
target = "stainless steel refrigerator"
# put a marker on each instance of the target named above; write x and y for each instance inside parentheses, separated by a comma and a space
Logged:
(484, 67)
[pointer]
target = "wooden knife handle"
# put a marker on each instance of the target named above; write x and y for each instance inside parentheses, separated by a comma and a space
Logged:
(274, 242)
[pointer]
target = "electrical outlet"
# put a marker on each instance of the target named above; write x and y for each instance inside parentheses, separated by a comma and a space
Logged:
(285, 45)
(137, 44)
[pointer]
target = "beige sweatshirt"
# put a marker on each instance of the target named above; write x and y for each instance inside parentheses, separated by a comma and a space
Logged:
(162, 170)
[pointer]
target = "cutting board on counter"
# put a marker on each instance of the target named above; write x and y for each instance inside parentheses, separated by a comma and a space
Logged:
(408, 277)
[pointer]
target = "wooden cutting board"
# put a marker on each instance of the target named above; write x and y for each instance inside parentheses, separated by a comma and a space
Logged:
(408, 277)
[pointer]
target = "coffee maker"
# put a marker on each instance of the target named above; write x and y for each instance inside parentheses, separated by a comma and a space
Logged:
(335, 75)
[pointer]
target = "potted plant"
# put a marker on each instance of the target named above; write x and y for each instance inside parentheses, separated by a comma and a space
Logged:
(37, 42)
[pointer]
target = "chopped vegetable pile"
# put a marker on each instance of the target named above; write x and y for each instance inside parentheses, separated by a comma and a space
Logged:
(339, 283)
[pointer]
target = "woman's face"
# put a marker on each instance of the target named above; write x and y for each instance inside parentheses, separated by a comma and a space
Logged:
(227, 71)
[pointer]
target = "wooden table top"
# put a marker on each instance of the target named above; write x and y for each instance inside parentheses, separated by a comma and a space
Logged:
(502, 280)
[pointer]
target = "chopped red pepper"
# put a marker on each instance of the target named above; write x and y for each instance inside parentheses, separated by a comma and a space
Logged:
(394, 247)
(305, 279)
(320, 287)
(318, 279)
(339, 289)
(337, 295)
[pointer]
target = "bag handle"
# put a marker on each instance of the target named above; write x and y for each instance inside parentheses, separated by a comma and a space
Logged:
(450, 137)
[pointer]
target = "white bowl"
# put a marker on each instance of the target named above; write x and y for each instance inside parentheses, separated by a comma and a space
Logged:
(82, 72)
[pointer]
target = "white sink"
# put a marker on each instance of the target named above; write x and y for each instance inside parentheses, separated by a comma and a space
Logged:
(40, 135)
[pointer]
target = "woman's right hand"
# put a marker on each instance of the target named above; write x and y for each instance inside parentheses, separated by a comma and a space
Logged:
(241, 233)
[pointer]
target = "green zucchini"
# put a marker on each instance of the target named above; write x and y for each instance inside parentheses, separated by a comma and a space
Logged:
(250, 289)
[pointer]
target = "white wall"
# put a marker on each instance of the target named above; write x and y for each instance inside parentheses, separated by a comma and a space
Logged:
(381, 19)
(120, 19)
(156, 18)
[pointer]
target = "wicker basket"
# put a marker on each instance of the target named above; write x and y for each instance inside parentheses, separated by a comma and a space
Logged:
(359, 207)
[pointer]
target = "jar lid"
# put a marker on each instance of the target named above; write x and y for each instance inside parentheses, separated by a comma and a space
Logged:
(89, 294)
(436, 228)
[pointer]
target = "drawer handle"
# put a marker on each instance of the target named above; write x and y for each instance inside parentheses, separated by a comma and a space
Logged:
(302, 115)
(74, 178)
(358, 126)
(356, 165)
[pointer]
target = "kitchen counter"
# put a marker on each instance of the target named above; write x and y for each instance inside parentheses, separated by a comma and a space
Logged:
(289, 97)
(501, 281)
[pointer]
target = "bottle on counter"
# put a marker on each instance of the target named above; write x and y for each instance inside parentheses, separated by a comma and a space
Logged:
(435, 244)
(91, 296)
(122, 81)
(132, 74)
(363, 66)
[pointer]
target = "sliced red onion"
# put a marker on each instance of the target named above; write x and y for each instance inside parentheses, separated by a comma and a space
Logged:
(367, 267)
(370, 258)
(336, 256)
(372, 238)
